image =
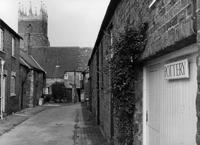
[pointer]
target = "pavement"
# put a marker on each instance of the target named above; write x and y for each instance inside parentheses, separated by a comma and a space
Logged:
(9, 122)
(51, 124)
(86, 132)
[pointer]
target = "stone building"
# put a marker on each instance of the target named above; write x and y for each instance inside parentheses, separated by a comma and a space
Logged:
(62, 64)
(32, 81)
(85, 87)
(33, 27)
(9, 56)
(168, 82)
(56, 61)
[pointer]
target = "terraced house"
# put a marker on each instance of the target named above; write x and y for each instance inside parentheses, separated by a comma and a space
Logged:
(168, 82)
(9, 57)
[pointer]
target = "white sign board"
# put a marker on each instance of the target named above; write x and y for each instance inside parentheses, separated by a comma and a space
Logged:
(176, 70)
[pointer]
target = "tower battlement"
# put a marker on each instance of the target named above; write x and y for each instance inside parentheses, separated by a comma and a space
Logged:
(27, 12)
(33, 24)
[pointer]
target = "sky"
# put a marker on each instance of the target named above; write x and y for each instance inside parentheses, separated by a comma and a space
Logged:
(70, 22)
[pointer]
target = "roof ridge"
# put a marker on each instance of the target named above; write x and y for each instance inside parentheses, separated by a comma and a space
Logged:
(38, 64)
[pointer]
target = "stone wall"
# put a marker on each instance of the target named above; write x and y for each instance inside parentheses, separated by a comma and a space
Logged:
(198, 72)
(38, 86)
(25, 87)
(132, 13)
(37, 26)
(105, 88)
(170, 22)
(34, 33)
(11, 65)
(94, 88)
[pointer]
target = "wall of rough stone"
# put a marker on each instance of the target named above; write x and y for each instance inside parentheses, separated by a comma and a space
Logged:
(34, 33)
(121, 17)
(133, 13)
(38, 86)
(105, 88)
(198, 71)
(31, 91)
(25, 87)
(94, 88)
(93, 94)
(11, 65)
(170, 22)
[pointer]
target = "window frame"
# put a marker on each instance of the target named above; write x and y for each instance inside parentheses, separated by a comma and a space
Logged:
(1, 39)
(66, 76)
(13, 46)
(13, 84)
(80, 78)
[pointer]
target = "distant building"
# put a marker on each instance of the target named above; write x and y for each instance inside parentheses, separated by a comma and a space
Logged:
(9, 62)
(33, 28)
(62, 64)
(56, 61)
(32, 81)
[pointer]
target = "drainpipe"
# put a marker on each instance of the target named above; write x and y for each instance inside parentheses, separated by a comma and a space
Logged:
(2, 97)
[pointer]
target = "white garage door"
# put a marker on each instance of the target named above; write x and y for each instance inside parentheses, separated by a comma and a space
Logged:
(170, 107)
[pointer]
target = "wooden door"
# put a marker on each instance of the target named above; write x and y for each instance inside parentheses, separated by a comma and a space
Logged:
(170, 107)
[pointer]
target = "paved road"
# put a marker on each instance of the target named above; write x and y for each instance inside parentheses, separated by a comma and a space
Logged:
(53, 126)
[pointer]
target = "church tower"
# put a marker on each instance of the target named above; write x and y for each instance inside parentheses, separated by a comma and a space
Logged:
(33, 26)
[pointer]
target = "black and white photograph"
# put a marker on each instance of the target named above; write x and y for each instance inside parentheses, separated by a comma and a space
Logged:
(99, 72)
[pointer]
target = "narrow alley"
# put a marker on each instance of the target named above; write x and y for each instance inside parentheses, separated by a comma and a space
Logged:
(56, 125)
(99, 72)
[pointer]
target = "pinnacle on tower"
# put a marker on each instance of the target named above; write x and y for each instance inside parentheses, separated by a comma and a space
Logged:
(23, 10)
(30, 9)
(20, 9)
(41, 8)
(35, 11)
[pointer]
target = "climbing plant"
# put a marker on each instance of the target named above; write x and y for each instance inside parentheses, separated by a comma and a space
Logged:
(126, 51)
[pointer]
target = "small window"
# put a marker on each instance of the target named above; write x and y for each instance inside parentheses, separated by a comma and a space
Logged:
(13, 46)
(80, 77)
(66, 76)
(111, 43)
(1, 39)
(13, 84)
(111, 38)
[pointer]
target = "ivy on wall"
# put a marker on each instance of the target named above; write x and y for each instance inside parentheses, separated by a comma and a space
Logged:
(126, 49)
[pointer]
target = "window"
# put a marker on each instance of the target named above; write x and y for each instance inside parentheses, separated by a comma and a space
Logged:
(111, 38)
(111, 43)
(1, 39)
(13, 46)
(13, 84)
(66, 76)
(80, 77)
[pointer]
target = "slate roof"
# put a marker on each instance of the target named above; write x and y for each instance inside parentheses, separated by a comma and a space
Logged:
(58, 60)
(29, 61)
(23, 62)
(2, 23)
